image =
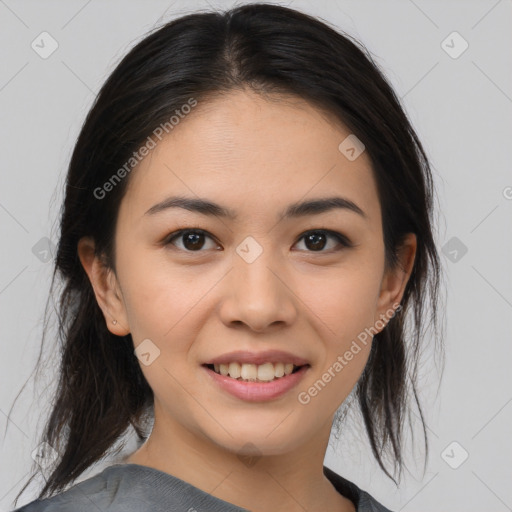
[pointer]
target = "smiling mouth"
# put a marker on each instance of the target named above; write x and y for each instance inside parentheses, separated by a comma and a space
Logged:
(267, 372)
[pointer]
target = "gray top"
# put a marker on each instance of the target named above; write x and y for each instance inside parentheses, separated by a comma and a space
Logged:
(136, 488)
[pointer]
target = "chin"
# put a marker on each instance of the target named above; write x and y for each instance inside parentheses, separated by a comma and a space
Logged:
(257, 442)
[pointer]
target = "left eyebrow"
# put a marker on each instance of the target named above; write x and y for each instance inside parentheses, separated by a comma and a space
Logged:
(295, 210)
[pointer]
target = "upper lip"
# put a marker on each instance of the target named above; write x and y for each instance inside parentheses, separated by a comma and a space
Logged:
(267, 356)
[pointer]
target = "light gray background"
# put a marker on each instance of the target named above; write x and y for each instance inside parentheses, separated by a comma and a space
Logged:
(461, 108)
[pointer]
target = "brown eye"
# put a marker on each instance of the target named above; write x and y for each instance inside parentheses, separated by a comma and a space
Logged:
(191, 240)
(194, 240)
(316, 241)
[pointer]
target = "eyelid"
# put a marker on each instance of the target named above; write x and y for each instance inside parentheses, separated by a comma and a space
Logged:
(342, 239)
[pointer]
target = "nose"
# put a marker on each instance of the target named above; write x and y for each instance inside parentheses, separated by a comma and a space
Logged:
(259, 294)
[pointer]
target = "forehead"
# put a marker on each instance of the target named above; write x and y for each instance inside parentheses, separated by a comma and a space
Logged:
(253, 154)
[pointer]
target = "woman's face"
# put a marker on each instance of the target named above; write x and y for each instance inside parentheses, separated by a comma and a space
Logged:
(257, 281)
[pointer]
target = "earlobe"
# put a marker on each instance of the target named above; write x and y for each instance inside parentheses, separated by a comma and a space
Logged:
(105, 286)
(395, 280)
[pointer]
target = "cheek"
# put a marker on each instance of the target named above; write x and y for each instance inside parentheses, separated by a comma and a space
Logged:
(163, 306)
(162, 301)
(344, 301)
(347, 343)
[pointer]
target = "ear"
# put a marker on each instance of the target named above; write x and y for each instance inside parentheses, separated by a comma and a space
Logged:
(395, 280)
(106, 288)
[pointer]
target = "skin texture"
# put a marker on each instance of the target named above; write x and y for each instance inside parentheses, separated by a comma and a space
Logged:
(255, 155)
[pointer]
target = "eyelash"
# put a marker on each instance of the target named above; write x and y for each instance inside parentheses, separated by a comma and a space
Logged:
(341, 239)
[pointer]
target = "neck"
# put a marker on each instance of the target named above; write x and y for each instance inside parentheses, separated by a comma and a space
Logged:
(288, 482)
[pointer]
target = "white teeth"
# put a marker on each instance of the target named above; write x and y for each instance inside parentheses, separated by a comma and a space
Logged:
(248, 371)
(266, 372)
(263, 372)
(234, 370)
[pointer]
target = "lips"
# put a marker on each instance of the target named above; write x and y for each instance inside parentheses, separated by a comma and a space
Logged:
(256, 391)
(256, 376)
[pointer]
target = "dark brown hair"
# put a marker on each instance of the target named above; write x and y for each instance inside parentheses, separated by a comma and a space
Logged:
(101, 391)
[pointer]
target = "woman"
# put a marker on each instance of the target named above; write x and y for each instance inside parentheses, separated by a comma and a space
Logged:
(247, 223)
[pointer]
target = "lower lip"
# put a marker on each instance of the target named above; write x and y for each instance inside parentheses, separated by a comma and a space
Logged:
(258, 391)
